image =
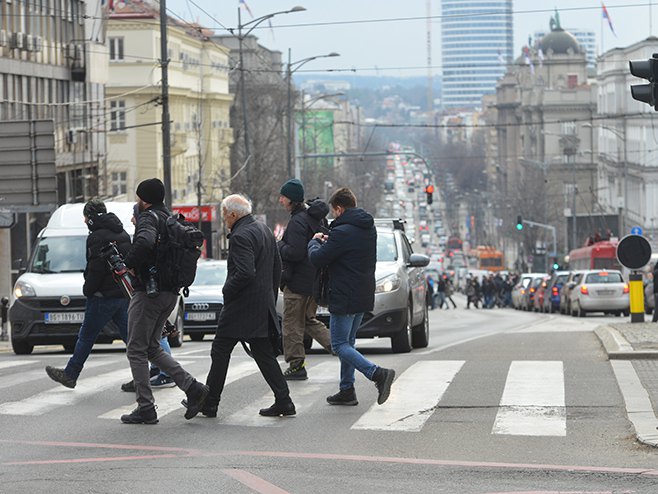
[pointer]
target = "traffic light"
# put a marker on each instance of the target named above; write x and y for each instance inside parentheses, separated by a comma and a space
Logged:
(646, 69)
(519, 223)
(556, 265)
(429, 190)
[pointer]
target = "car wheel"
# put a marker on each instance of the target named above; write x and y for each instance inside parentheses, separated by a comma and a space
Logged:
(401, 342)
(420, 336)
(581, 312)
(627, 313)
(177, 341)
(196, 336)
(21, 347)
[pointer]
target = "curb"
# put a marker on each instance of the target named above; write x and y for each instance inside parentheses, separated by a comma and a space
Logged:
(618, 348)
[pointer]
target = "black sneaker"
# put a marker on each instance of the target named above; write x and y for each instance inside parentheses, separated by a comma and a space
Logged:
(128, 387)
(141, 416)
(196, 397)
(60, 376)
(383, 379)
(285, 409)
(345, 397)
(162, 381)
(207, 411)
(296, 372)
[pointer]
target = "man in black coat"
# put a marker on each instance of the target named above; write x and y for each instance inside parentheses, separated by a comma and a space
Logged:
(105, 299)
(298, 278)
(249, 312)
(147, 314)
(350, 252)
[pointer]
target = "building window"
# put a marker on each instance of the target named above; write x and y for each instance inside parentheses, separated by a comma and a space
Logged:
(572, 81)
(117, 115)
(116, 49)
(119, 181)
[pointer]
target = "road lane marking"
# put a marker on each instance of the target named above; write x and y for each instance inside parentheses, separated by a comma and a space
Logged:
(303, 394)
(414, 397)
(533, 401)
(35, 375)
(169, 399)
(252, 481)
(16, 363)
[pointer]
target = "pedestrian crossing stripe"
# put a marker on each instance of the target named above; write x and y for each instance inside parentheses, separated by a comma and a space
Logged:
(414, 397)
(533, 402)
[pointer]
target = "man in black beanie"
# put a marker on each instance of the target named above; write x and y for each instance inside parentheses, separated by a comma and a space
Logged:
(298, 278)
(147, 314)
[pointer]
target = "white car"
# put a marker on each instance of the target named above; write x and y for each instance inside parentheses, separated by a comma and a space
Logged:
(600, 291)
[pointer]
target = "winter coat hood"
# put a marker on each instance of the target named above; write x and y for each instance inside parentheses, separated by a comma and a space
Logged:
(107, 221)
(356, 217)
(317, 209)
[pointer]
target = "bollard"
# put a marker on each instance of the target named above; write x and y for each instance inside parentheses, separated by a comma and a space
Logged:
(3, 313)
(636, 295)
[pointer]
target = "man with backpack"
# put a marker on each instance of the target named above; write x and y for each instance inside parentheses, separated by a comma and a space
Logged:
(154, 298)
(298, 277)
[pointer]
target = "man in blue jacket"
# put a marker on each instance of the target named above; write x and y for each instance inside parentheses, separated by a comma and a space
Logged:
(350, 252)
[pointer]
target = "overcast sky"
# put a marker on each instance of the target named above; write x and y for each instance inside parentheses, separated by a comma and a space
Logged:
(388, 37)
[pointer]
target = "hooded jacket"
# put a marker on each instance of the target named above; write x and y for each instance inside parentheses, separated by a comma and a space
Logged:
(298, 273)
(104, 228)
(351, 255)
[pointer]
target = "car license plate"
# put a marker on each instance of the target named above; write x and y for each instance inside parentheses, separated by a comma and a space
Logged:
(64, 317)
(200, 316)
(605, 292)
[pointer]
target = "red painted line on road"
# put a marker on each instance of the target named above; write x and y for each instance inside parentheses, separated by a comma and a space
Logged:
(99, 445)
(90, 460)
(456, 463)
(253, 482)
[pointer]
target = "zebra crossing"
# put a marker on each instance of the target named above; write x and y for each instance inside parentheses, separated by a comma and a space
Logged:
(532, 402)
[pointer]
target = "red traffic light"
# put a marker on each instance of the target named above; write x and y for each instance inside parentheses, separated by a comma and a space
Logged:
(429, 189)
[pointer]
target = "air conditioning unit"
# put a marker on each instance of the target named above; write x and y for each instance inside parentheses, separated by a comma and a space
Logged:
(17, 41)
(29, 42)
(3, 38)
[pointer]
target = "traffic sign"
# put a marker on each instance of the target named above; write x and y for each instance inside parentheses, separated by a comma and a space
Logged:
(633, 251)
(636, 230)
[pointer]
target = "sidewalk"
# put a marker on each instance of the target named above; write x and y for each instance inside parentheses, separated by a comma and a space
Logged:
(632, 349)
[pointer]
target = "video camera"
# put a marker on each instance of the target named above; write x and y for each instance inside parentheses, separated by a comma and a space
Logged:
(115, 260)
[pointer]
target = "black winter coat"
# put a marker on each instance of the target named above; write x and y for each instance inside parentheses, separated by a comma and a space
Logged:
(142, 254)
(252, 282)
(299, 274)
(351, 254)
(103, 229)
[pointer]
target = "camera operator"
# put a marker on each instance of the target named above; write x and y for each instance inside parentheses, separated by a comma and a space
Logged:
(147, 313)
(106, 300)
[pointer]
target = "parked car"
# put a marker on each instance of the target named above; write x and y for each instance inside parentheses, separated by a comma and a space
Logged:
(552, 294)
(205, 301)
(600, 291)
(519, 290)
(565, 292)
(541, 294)
(400, 310)
(528, 297)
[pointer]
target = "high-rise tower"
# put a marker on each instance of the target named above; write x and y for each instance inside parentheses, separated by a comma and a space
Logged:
(476, 44)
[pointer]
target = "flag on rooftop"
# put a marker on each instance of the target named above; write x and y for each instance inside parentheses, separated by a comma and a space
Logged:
(606, 16)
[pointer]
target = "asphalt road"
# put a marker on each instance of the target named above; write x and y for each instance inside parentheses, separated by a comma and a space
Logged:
(500, 402)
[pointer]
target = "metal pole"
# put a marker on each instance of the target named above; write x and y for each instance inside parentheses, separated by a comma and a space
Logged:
(574, 234)
(625, 215)
(289, 137)
(243, 91)
(166, 129)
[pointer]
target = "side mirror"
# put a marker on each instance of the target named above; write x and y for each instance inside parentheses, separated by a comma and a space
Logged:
(418, 261)
(18, 265)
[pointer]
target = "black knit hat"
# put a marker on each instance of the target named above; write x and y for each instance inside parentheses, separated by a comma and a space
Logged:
(93, 208)
(151, 190)
(293, 190)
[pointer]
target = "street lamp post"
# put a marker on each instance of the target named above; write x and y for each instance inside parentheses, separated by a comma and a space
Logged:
(293, 67)
(245, 123)
(620, 134)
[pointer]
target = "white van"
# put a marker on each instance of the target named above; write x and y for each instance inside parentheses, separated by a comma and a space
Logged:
(48, 305)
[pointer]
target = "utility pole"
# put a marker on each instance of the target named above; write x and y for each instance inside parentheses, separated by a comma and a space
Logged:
(166, 128)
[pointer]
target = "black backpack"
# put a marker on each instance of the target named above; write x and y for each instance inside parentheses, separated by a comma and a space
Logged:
(177, 251)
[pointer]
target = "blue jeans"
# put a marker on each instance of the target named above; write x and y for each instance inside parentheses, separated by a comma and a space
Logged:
(343, 329)
(164, 344)
(98, 312)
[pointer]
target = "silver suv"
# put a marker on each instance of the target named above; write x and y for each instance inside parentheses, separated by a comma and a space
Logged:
(400, 310)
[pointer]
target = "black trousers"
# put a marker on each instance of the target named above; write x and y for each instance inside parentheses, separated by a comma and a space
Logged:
(261, 349)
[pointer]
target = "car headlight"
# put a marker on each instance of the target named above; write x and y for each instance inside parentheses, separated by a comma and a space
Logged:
(22, 289)
(388, 284)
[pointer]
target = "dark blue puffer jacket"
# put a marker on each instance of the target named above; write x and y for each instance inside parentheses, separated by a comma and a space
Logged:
(351, 255)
